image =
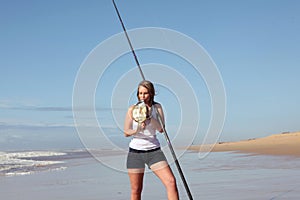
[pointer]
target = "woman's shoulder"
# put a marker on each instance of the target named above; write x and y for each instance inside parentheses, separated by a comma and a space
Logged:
(131, 107)
(156, 104)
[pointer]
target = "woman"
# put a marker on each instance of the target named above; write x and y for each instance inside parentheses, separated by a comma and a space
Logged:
(144, 147)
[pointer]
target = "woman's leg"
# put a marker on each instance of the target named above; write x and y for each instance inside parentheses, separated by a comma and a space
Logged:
(164, 173)
(136, 177)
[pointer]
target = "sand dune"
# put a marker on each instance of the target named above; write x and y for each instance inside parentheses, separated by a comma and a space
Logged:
(277, 144)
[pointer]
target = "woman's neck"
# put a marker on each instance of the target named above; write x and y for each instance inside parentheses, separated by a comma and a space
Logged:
(148, 104)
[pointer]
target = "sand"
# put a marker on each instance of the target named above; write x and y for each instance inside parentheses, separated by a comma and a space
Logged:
(277, 144)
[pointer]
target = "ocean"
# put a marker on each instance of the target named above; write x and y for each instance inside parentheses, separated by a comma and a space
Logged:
(80, 175)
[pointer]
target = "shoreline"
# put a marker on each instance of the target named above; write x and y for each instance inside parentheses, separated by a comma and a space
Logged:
(283, 144)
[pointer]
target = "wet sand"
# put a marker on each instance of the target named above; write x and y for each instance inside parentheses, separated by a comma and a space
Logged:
(277, 144)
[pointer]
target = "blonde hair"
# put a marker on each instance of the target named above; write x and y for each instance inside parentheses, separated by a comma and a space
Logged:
(149, 86)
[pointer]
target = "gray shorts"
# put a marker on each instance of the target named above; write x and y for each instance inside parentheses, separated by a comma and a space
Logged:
(137, 159)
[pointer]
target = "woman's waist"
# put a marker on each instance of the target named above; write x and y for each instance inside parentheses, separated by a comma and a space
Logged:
(143, 151)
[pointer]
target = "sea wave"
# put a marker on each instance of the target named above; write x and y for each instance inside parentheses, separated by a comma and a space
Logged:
(29, 162)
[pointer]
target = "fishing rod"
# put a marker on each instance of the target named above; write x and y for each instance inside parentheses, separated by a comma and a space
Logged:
(158, 115)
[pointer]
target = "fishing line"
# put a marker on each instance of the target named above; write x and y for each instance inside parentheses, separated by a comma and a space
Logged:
(158, 115)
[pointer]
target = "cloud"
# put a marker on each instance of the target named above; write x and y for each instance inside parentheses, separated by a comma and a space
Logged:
(31, 126)
(37, 126)
(54, 108)
(34, 108)
(34, 122)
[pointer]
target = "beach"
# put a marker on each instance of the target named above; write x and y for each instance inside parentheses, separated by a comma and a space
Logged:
(285, 144)
(244, 170)
(220, 175)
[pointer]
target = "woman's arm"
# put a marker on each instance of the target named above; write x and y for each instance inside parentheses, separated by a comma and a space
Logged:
(155, 122)
(128, 131)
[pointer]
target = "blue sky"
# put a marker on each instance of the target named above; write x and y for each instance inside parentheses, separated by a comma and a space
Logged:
(255, 45)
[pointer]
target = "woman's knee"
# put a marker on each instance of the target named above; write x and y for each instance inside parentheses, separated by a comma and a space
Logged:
(136, 189)
(171, 182)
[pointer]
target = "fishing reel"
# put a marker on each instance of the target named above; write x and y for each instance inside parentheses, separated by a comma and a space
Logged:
(140, 112)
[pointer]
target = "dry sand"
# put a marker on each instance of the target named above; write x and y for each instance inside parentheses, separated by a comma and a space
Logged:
(277, 144)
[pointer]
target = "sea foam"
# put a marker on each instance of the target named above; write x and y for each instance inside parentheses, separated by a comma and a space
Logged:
(29, 162)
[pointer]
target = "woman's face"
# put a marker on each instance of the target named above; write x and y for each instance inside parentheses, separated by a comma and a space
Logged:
(144, 94)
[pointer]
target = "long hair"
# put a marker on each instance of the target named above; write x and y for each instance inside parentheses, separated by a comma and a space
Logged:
(150, 88)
